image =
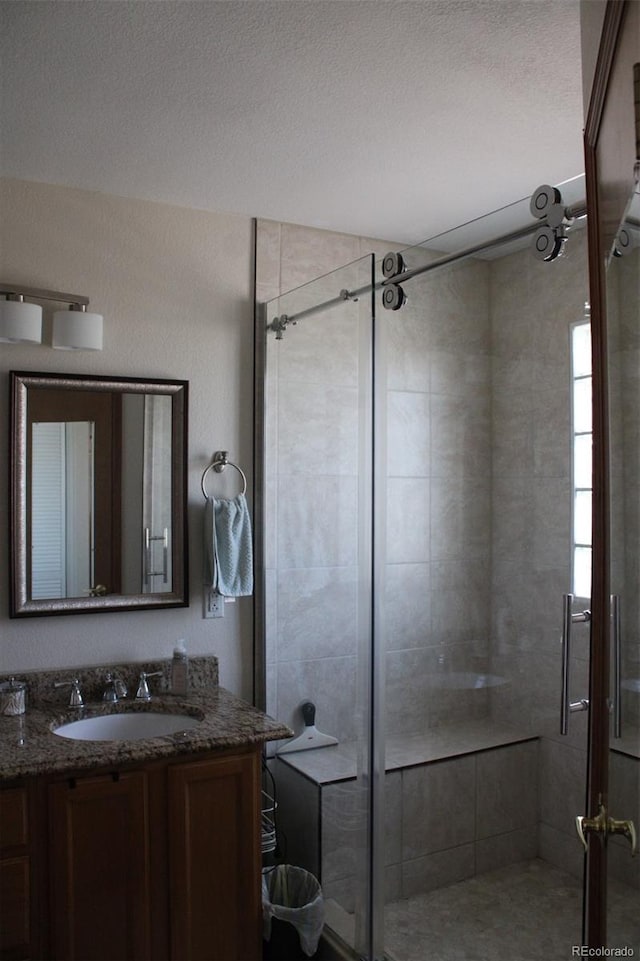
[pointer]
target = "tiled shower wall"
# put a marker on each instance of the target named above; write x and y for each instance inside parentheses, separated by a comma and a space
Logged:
(438, 496)
(533, 305)
(438, 493)
(312, 478)
(478, 489)
(478, 494)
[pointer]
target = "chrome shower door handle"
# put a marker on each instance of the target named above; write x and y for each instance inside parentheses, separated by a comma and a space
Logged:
(617, 665)
(165, 554)
(568, 618)
(567, 601)
(146, 557)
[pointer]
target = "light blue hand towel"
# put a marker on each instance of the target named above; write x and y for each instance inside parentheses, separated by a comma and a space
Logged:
(228, 550)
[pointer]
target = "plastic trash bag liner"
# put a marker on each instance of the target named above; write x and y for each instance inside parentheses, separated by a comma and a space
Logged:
(294, 895)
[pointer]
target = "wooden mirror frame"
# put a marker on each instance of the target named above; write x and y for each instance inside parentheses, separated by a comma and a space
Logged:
(21, 605)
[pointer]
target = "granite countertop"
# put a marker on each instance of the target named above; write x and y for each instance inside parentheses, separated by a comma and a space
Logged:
(28, 745)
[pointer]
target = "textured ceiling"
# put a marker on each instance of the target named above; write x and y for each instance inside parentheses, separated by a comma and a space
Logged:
(376, 117)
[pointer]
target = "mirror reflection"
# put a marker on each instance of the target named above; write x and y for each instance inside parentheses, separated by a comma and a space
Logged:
(623, 318)
(62, 508)
(98, 494)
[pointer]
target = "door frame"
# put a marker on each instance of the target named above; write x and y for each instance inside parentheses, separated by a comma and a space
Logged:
(609, 125)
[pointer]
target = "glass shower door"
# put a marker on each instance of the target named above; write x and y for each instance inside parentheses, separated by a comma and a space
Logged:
(317, 598)
(474, 495)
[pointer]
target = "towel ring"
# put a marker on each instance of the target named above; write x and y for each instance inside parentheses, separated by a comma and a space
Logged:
(219, 463)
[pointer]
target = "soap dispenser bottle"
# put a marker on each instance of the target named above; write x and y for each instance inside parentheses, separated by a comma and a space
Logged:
(179, 669)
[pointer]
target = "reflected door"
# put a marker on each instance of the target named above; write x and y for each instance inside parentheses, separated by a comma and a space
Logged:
(62, 509)
(84, 424)
(623, 337)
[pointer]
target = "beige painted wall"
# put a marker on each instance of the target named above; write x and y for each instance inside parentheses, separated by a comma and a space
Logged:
(175, 287)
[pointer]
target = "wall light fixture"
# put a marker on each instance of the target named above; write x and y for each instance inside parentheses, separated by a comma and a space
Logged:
(20, 323)
(73, 329)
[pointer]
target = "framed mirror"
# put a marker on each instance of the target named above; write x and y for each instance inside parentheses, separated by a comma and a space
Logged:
(98, 493)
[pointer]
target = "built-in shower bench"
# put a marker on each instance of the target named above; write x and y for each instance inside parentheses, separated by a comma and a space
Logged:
(329, 765)
(459, 800)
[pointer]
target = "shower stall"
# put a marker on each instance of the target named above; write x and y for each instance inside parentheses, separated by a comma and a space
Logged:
(423, 531)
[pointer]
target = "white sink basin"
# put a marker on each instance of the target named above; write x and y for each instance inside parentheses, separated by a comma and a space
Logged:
(126, 727)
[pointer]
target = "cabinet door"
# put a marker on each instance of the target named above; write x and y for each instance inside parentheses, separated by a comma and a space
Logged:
(99, 870)
(214, 852)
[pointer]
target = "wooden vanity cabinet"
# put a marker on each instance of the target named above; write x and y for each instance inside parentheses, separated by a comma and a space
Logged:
(15, 874)
(99, 875)
(159, 861)
(215, 859)
(23, 916)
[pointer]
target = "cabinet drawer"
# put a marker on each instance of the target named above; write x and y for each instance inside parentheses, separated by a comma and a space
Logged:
(14, 819)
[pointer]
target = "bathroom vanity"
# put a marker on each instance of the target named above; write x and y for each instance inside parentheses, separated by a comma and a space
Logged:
(128, 849)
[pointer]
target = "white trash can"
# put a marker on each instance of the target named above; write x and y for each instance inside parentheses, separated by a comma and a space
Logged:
(292, 912)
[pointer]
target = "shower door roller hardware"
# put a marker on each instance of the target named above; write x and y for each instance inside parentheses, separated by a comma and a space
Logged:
(393, 297)
(624, 242)
(542, 199)
(568, 618)
(604, 825)
(548, 243)
(546, 204)
(393, 264)
(346, 294)
(279, 325)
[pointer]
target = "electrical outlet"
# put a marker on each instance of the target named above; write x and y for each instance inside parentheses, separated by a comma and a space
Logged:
(213, 604)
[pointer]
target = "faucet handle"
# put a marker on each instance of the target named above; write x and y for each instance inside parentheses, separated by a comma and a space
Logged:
(143, 693)
(75, 699)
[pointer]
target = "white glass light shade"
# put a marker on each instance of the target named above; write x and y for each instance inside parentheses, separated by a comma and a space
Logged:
(76, 330)
(20, 323)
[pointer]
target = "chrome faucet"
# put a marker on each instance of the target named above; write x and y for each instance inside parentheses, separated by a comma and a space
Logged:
(115, 689)
(75, 698)
(143, 693)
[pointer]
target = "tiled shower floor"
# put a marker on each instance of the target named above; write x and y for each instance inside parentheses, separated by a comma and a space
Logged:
(524, 912)
(529, 911)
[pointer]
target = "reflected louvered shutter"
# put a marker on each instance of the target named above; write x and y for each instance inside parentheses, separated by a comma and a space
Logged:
(48, 511)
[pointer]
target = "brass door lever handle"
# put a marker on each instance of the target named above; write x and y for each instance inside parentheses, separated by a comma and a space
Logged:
(627, 828)
(98, 591)
(601, 824)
